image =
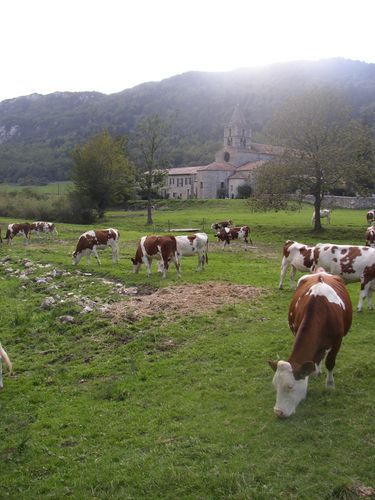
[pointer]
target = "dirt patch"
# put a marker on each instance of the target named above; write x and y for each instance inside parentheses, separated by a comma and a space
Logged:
(182, 300)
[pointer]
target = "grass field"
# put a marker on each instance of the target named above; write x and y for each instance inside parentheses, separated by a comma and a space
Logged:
(54, 188)
(175, 404)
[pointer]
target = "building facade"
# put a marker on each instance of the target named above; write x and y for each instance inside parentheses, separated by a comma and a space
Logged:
(234, 166)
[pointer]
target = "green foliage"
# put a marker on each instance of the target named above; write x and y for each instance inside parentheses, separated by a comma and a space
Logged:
(244, 191)
(323, 149)
(101, 173)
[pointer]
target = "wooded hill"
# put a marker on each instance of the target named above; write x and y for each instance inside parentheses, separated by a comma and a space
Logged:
(38, 132)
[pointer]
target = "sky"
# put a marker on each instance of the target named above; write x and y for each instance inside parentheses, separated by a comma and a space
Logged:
(111, 45)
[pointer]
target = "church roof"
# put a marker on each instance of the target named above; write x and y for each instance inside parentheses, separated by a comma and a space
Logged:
(237, 118)
(218, 166)
(238, 175)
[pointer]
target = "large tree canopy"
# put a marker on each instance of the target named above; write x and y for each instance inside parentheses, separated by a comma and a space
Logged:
(101, 172)
(324, 149)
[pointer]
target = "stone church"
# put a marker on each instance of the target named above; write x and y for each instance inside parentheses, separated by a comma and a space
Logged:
(234, 166)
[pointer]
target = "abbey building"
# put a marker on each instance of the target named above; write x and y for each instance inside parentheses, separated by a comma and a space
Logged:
(234, 166)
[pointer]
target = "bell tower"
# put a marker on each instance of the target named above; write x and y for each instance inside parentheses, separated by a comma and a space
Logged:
(236, 134)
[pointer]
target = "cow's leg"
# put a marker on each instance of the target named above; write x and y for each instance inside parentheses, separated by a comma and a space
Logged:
(115, 252)
(147, 262)
(246, 243)
(200, 262)
(365, 292)
(330, 363)
(284, 268)
(293, 272)
(95, 253)
(369, 297)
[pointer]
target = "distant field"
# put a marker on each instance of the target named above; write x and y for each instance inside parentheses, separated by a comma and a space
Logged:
(55, 188)
(178, 402)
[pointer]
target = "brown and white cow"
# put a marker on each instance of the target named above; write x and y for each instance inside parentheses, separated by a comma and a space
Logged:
(187, 246)
(18, 230)
(41, 227)
(227, 234)
(370, 216)
(4, 357)
(156, 247)
(90, 241)
(324, 213)
(216, 226)
(297, 255)
(370, 237)
(352, 263)
(320, 315)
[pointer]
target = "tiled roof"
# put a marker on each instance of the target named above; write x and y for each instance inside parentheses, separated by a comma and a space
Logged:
(183, 170)
(218, 166)
(251, 165)
(238, 175)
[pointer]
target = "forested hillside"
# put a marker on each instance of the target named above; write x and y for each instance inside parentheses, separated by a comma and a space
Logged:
(38, 132)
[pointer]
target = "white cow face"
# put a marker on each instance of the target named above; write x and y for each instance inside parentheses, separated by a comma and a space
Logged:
(290, 391)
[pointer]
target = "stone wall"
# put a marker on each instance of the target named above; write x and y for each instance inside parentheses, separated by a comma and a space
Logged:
(356, 202)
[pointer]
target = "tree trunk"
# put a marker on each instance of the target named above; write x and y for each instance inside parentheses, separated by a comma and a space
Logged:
(149, 211)
(317, 205)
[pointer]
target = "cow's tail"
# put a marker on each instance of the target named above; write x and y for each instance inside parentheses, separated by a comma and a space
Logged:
(5, 357)
(207, 252)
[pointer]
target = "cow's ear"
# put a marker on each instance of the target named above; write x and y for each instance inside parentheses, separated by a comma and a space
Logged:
(273, 364)
(305, 370)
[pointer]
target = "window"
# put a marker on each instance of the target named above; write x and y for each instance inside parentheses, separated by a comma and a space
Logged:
(201, 185)
(221, 185)
(186, 180)
(189, 181)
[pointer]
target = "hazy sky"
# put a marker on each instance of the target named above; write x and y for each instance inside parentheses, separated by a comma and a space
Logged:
(111, 45)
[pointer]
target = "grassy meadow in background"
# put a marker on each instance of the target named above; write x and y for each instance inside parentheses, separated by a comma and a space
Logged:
(177, 407)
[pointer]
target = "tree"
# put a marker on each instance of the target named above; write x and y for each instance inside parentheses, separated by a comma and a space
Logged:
(323, 148)
(101, 172)
(151, 150)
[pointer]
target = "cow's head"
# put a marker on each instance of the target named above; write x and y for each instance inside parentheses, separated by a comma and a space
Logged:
(76, 257)
(290, 386)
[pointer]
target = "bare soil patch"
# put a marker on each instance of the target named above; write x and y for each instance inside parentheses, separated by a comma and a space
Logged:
(182, 300)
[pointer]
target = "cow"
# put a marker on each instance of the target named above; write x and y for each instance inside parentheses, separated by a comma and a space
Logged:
(320, 315)
(194, 244)
(325, 213)
(43, 227)
(216, 226)
(370, 237)
(91, 240)
(4, 357)
(156, 247)
(18, 230)
(297, 255)
(370, 216)
(226, 234)
(352, 263)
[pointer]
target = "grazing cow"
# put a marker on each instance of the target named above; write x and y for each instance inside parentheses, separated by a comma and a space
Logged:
(156, 247)
(216, 226)
(320, 315)
(43, 227)
(18, 230)
(352, 263)
(370, 216)
(325, 213)
(91, 240)
(4, 357)
(191, 245)
(370, 237)
(226, 234)
(297, 255)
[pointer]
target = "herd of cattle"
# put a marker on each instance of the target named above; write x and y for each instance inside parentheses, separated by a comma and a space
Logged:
(320, 312)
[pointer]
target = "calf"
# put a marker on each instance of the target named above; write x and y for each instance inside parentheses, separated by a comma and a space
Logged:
(325, 213)
(352, 263)
(195, 244)
(216, 226)
(234, 233)
(370, 216)
(297, 255)
(320, 315)
(4, 357)
(156, 247)
(91, 240)
(18, 230)
(43, 227)
(370, 237)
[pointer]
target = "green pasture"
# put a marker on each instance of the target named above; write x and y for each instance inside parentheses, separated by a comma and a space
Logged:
(181, 407)
(54, 188)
